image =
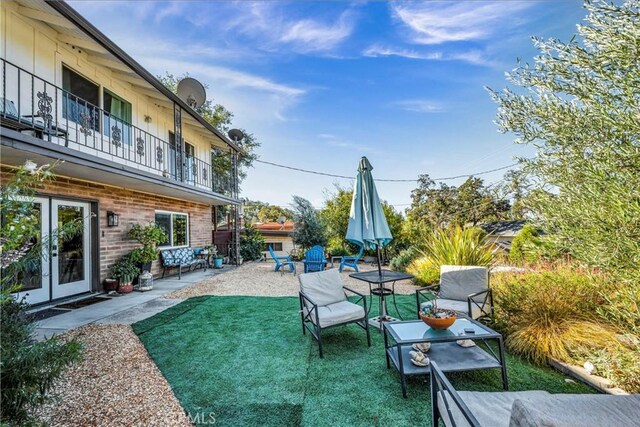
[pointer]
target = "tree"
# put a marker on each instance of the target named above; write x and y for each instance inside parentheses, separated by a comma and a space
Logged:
(220, 118)
(309, 229)
(28, 368)
(440, 207)
(270, 213)
(579, 108)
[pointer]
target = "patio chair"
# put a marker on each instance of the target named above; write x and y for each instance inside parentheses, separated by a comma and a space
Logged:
(324, 304)
(314, 259)
(526, 408)
(462, 288)
(351, 261)
(282, 261)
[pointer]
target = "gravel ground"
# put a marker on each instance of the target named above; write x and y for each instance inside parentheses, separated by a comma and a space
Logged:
(116, 384)
(259, 279)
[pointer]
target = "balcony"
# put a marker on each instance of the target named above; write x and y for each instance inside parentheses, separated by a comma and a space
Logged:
(31, 105)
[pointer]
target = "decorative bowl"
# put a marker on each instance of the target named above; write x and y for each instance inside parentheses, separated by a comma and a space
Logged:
(438, 323)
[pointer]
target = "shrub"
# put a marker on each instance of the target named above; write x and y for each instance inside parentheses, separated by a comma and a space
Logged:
(401, 261)
(563, 312)
(524, 244)
(309, 230)
(251, 244)
(455, 246)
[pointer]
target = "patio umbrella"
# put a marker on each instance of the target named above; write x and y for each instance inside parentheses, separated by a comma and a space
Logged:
(367, 224)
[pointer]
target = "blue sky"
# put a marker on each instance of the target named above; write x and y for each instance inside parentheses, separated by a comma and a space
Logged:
(321, 84)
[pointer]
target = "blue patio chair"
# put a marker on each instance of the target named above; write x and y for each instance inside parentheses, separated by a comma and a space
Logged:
(314, 259)
(282, 261)
(351, 260)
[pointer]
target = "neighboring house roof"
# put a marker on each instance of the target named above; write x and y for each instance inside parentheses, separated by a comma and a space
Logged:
(503, 228)
(275, 228)
(90, 30)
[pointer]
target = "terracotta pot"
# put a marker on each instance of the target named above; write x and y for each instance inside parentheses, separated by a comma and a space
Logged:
(438, 323)
(125, 288)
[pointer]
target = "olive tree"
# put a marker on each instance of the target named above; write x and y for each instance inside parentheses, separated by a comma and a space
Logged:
(578, 104)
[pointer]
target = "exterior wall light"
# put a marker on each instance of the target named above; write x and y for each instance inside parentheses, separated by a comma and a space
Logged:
(113, 219)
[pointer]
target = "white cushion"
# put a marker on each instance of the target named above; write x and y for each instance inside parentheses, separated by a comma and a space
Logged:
(457, 282)
(323, 287)
(339, 312)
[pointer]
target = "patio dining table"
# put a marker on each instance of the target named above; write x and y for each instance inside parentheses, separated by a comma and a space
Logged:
(382, 284)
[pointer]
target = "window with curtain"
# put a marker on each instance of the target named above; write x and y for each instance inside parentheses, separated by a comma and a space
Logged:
(117, 115)
(176, 225)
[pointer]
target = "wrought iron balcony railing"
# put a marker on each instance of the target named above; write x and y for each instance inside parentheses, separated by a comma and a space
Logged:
(31, 104)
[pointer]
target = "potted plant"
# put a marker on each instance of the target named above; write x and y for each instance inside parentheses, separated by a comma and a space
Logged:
(217, 261)
(110, 284)
(149, 236)
(125, 271)
(437, 318)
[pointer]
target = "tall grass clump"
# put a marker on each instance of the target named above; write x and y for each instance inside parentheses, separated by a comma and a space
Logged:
(569, 314)
(453, 246)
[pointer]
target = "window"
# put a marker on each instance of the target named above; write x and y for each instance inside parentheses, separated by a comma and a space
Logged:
(276, 246)
(117, 114)
(176, 225)
(81, 98)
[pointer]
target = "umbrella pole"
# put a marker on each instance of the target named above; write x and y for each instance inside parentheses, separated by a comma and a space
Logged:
(379, 268)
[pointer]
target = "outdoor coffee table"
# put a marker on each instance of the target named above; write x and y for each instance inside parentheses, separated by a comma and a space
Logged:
(399, 336)
(382, 284)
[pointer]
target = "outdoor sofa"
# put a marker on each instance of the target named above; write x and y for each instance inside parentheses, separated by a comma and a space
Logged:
(527, 408)
(180, 258)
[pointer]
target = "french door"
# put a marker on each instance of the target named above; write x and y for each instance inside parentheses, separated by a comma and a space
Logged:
(65, 268)
(71, 258)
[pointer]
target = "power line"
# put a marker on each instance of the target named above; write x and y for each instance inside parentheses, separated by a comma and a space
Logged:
(381, 180)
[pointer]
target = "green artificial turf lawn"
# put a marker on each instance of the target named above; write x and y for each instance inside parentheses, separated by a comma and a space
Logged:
(245, 360)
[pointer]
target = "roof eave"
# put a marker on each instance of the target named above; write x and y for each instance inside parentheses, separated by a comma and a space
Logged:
(71, 14)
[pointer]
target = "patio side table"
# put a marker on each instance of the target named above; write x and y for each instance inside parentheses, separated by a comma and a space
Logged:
(450, 357)
(379, 286)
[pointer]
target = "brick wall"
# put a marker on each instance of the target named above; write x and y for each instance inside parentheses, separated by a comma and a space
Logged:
(132, 207)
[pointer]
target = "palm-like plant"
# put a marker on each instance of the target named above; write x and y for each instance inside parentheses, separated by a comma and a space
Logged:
(458, 246)
(453, 246)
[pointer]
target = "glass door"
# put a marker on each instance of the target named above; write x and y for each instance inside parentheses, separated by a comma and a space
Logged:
(71, 259)
(35, 278)
(189, 162)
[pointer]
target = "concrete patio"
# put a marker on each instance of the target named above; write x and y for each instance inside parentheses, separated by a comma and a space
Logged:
(127, 308)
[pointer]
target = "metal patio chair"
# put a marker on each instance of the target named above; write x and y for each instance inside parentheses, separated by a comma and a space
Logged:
(324, 304)
(462, 288)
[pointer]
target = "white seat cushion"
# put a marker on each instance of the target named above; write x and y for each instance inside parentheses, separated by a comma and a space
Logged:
(323, 287)
(337, 313)
(459, 306)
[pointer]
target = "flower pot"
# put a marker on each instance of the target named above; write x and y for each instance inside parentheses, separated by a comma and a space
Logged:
(217, 262)
(125, 287)
(110, 285)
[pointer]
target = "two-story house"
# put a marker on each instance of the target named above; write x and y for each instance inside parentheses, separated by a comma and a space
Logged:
(131, 150)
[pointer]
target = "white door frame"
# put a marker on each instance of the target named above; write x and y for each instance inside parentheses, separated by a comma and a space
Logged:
(63, 290)
(42, 294)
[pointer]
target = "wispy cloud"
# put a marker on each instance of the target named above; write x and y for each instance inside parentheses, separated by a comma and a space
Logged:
(336, 141)
(437, 22)
(420, 106)
(271, 29)
(473, 56)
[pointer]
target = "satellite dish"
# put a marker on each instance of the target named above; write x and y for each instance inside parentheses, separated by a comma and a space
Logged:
(282, 219)
(236, 134)
(192, 92)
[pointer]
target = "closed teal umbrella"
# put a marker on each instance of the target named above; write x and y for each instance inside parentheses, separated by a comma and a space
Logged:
(367, 224)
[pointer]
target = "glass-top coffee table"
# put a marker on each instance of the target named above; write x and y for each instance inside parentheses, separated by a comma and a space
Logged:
(451, 357)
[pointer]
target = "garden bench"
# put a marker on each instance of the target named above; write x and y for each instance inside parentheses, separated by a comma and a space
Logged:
(180, 258)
